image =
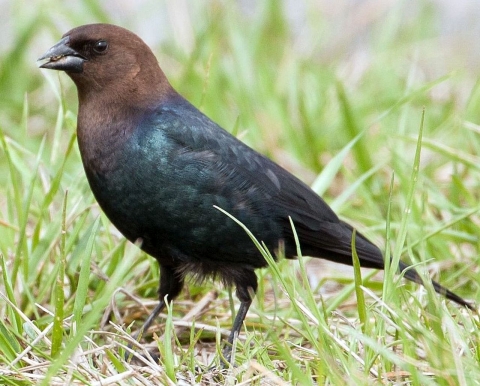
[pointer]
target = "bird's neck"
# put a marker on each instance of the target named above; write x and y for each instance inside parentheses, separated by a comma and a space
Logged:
(103, 129)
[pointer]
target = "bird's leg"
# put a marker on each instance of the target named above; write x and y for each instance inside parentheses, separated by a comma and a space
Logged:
(246, 287)
(237, 326)
(169, 287)
(156, 311)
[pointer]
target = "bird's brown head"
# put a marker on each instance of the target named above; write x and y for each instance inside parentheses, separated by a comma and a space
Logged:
(107, 59)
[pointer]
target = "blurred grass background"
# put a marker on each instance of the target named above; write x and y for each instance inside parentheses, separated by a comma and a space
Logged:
(297, 81)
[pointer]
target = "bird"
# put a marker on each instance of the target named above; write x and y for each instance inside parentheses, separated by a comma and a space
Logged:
(160, 169)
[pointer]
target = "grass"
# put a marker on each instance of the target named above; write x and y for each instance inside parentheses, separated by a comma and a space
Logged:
(379, 114)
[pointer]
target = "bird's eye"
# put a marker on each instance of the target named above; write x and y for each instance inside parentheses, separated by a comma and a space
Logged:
(100, 47)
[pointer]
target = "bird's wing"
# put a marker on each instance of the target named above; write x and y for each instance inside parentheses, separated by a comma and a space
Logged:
(243, 172)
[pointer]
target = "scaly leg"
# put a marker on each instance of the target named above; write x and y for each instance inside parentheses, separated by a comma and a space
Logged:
(170, 286)
(246, 285)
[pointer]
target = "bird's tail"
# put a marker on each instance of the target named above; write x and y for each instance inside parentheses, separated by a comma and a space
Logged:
(411, 274)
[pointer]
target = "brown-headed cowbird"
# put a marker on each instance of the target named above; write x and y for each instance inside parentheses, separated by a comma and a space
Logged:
(158, 167)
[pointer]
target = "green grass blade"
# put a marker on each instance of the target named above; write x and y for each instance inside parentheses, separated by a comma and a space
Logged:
(362, 308)
(325, 178)
(83, 280)
(168, 357)
(402, 235)
(57, 333)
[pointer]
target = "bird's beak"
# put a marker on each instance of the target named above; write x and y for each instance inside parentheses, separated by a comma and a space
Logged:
(63, 58)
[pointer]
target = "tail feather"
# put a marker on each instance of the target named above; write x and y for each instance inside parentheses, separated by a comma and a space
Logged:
(335, 245)
(412, 275)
